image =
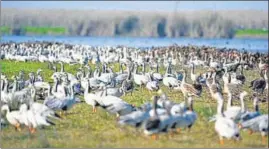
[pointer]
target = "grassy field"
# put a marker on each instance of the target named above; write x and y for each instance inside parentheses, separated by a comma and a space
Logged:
(5, 30)
(37, 30)
(44, 30)
(251, 33)
(86, 129)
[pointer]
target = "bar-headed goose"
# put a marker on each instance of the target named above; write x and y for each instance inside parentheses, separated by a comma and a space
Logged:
(62, 104)
(91, 98)
(152, 85)
(152, 124)
(137, 117)
(235, 112)
(251, 114)
(257, 124)
(140, 79)
(115, 105)
(225, 127)
(32, 119)
(13, 117)
(184, 118)
(188, 89)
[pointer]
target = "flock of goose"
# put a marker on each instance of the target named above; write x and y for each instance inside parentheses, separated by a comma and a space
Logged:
(102, 87)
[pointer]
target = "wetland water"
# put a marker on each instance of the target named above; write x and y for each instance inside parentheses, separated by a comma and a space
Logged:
(250, 44)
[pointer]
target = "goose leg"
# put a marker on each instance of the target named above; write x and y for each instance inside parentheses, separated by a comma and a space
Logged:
(17, 126)
(154, 137)
(221, 141)
(94, 109)
(239, 126)
(61, 113)
(117, 116)
(178, 130)
(264, 140)
(33, 130)
(172, 134)
(30, 129)
(250, 132)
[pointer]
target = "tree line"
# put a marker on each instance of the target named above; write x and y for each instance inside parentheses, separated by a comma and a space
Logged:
(207, 24)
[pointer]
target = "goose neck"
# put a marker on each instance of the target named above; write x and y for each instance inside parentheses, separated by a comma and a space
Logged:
(229, 104)
(155, 100)
(5, 108)
(14, 86)
(242, 103)
(184, 77)
(256, 104)
(192, 68)
(49, 90)
(62, 67)
(190, 102)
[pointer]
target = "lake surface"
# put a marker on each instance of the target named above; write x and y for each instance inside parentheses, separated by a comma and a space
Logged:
(249, 44)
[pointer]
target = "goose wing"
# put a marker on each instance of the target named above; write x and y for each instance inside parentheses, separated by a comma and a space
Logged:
(191, 89)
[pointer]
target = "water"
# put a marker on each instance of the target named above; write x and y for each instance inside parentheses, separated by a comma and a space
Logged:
(250, 44)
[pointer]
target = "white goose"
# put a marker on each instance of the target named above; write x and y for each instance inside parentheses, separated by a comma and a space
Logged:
(152, 85)
(91, 98)
(169, 80)
(140, 79)
(225, 127)
(235, 112)
(115, 105)
(32, 119)
(13, 117)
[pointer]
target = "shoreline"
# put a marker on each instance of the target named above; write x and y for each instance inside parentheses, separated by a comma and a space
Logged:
(183, 37)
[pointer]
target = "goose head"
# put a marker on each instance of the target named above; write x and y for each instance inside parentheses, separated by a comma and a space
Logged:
(39, 71)
(21, 74)
(5, 108)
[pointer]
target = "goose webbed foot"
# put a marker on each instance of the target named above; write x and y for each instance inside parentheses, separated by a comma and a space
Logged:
(250, 132)
(33, 130)
(17, 127)
(221, 141)
(94, 110)
(172, 134)
(178, 130)
(154, 137)
(264, 140)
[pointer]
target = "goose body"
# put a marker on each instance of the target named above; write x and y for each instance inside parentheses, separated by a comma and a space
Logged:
(13, 117)
(115, 105)
(134, 119)
(225, 127)
(170, 82)
(258, 124)
(235, 112)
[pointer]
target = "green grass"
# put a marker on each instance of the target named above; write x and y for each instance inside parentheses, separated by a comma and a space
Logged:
(36, 30)
(5, 30)
(252, 32)
(86, 129)
(44, 30)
